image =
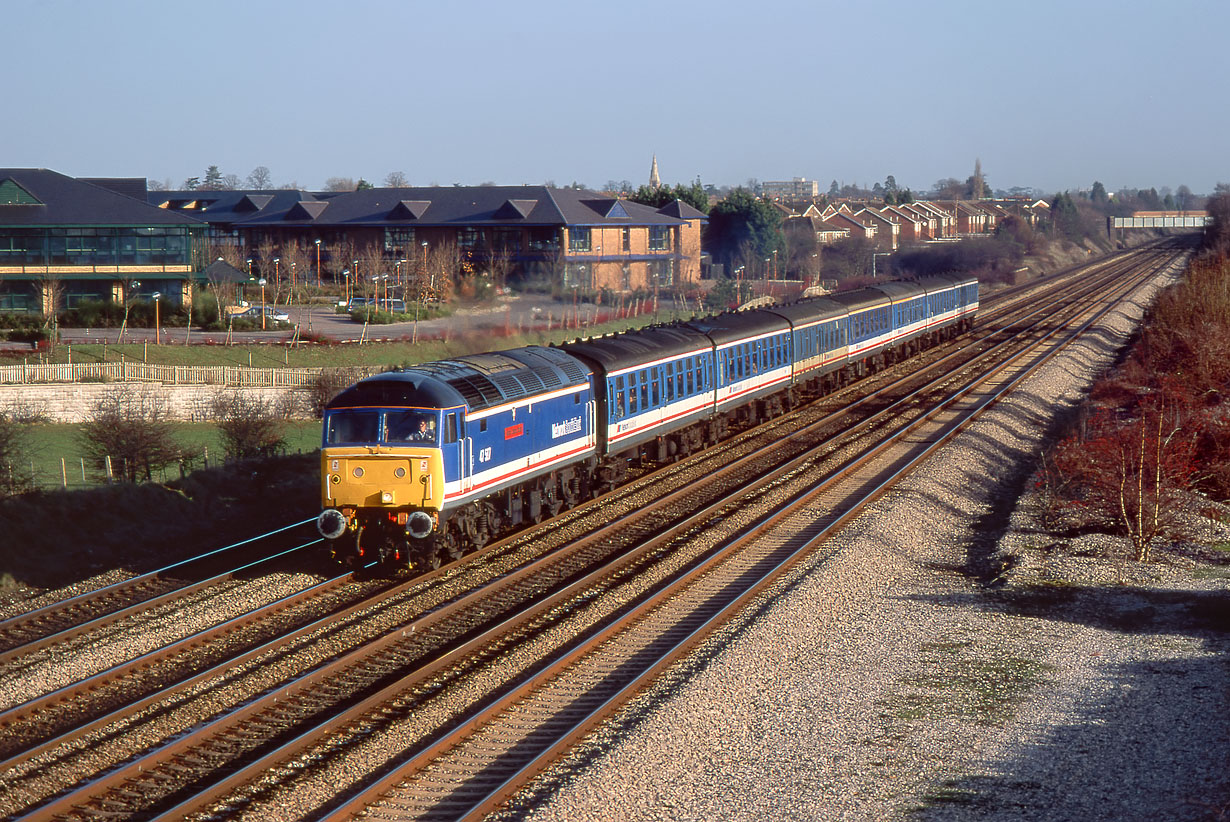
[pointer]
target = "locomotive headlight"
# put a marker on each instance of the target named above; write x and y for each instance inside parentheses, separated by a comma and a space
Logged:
(358, 471)
(386, 497)
(399, 472)
(331, 523)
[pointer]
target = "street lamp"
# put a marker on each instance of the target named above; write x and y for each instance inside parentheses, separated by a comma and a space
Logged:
(157, 295)
(262, 285)
(318, 263)
(875, 254)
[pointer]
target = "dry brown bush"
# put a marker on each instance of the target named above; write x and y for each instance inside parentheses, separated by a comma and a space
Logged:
(250, 425)
(133, 428)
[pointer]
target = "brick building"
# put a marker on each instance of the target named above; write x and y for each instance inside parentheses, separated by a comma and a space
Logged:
(568, 238)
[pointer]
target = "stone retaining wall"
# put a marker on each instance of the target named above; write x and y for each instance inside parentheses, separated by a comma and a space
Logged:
(72, 402)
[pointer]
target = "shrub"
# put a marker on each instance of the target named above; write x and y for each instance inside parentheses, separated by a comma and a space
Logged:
(249, 424)
(93, 314)
(133, 429)
(14, 473)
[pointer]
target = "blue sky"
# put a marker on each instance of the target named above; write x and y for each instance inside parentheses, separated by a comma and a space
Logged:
(1045, 93)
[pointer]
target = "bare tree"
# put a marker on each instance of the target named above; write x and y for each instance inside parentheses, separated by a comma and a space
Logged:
(499, 266)
(295, 267)
(133, 429)
(249, 425)
(340, 184)
(375, 270)
(129, 286)
(260, 179)
(341, 260)
(396, 179)
(270, 266)
(802, 250)
(51, 288)
(232, 255)
(443, 265)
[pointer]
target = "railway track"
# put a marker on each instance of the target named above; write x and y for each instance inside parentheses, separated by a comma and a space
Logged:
(470, 603)
(94, 610)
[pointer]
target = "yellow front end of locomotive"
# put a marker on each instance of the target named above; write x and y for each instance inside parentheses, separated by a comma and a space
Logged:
(363, 477)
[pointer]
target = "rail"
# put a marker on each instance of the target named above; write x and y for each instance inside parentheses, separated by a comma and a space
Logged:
(228, 375)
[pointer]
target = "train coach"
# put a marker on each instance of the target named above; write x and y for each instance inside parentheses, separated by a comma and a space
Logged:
(421, 465)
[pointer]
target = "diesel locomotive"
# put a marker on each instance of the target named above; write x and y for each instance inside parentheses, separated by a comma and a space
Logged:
(421, 465)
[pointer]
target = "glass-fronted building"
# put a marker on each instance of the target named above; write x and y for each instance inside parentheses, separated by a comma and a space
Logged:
(64, 240)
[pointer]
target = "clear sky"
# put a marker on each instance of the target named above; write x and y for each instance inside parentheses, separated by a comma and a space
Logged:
(1047, 93)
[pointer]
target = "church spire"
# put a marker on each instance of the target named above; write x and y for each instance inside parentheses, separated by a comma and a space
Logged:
(654, 180)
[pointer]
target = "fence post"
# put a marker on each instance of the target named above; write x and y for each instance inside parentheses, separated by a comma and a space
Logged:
(207, 456)
(83, 470)
(110, 475)
(63, 473)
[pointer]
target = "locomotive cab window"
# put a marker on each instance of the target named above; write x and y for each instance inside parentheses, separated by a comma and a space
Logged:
(352, 426)
(411, 426)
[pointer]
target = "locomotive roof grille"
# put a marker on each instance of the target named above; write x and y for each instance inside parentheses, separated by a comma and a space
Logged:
(477, 391)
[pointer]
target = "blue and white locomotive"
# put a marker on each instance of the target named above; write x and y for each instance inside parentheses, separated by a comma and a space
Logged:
(422, 465)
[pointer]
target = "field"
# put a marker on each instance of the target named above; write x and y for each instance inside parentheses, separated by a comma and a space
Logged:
(57, 459)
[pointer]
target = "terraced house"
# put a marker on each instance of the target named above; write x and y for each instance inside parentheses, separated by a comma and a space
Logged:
(64, 240)
(567, 238)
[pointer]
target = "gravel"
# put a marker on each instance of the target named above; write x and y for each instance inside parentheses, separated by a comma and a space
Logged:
(889, 682)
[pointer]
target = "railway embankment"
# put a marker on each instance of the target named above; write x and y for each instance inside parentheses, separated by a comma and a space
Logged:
(55, 539)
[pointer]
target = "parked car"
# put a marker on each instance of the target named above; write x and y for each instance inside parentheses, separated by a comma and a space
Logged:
(271, 313)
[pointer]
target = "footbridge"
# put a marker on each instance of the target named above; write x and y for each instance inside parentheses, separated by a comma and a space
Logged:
(1160, 219)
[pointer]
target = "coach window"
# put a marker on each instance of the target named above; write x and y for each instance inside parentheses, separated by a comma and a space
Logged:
(644, 381)
(632, 404)
(655, 387)
(450, 429)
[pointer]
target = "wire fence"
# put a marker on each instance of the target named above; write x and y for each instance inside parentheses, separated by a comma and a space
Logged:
(80, 472)
(83, 472)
